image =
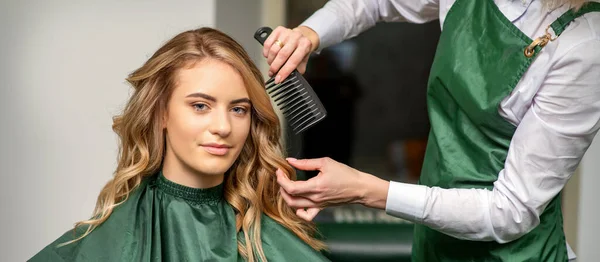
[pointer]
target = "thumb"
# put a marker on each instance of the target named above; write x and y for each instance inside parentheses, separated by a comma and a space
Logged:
(295, 188)
(308, 214)
(307, 164)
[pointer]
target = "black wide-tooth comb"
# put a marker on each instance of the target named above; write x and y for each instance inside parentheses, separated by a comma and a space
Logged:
(294, 96)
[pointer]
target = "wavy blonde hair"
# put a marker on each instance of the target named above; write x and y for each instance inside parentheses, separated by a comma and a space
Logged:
(250, 186)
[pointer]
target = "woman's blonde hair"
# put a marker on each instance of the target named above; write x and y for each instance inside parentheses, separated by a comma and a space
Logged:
(250, 186)
(575, 4)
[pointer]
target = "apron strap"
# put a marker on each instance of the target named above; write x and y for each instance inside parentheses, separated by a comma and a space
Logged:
(564, 20)
(559, 26)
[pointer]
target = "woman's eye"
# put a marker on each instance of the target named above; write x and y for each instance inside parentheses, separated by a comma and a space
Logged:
(240, 110)
(200, 107)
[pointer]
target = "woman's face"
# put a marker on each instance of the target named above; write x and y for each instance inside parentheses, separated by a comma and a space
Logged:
(207, 119)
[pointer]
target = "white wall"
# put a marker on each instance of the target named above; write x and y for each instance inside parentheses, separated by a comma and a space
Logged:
(588, 236)
(62, 77)
(240, 19)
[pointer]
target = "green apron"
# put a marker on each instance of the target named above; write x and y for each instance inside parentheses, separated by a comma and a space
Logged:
(162, 221)
(481, 57)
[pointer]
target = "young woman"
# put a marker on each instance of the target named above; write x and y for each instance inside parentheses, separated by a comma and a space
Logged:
(199, 146)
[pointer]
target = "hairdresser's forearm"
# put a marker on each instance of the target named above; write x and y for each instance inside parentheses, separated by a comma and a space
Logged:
(339, 20)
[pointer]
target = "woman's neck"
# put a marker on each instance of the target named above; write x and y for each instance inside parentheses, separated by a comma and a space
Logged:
(180, 173)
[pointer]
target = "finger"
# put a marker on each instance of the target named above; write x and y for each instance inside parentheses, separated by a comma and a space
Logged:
(284, 56)
(302, 66)
(308, 164)
(281, 176)
(308, 214)
(275, 48)
(296, 202)
(294, 61)
(284, 37)
(295, 188)
(271, 39)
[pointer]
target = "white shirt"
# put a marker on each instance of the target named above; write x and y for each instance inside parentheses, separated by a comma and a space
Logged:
(555, 106)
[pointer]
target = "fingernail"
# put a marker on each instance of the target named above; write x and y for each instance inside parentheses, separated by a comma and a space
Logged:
(277, 79)
(291, 159)
(270, 74)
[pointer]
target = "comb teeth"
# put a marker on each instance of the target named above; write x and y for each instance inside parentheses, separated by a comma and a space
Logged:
(293, 97)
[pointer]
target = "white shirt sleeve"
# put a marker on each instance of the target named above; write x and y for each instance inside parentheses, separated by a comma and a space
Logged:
(339, 20)
(546, 148)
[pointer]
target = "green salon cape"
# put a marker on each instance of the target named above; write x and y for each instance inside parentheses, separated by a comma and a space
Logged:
(165, 221)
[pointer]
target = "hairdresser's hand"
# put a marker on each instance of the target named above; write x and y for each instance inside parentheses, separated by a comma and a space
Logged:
(291, 45)
(336, 184)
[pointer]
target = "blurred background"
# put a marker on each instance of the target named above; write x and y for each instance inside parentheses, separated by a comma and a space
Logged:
(62, 77)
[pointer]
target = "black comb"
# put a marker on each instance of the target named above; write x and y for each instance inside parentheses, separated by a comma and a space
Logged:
(294, 96)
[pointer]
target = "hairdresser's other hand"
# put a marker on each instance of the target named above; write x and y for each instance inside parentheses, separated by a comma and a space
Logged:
(336, 184)
(297, 44)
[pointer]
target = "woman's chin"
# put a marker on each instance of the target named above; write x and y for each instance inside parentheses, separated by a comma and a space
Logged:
(213, 167)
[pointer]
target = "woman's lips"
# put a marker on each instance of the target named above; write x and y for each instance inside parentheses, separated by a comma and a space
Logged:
(216, 149)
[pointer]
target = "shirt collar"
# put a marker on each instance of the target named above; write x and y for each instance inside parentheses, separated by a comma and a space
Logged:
(513, 9)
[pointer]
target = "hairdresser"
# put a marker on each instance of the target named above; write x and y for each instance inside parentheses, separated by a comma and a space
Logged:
(514, 102)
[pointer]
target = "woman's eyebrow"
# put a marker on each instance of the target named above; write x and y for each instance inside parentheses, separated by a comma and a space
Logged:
(241, 100)
(213, 99)
(203, 95)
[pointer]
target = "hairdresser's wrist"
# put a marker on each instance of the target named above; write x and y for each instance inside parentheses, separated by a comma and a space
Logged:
(312, 36)
(373, 191)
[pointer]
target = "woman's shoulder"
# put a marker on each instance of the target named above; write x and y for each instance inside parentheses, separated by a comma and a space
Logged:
(50, 253)
(102, 242)
(281, 244)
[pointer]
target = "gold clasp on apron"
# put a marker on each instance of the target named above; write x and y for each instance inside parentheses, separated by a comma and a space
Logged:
(540, 41)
